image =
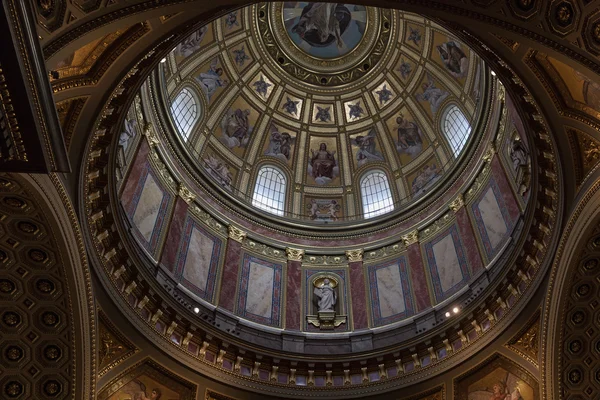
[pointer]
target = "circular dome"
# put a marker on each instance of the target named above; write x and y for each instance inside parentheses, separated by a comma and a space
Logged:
(325, 112)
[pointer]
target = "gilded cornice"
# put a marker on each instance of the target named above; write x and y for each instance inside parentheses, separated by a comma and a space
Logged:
(236, 233)
(354, 255)
(294, 254)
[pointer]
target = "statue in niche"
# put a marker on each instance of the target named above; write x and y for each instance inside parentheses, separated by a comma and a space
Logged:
(326, 298)
(519, 156)
(127, 133)
(326, 295)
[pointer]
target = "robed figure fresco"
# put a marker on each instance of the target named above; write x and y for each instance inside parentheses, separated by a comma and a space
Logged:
(455, 60)
(322, 165)
(326, 295)
(410, 140)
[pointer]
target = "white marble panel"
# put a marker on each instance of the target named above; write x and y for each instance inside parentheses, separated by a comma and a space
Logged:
(147, 209)
(447, 263)
(197, 261)
(259, 299)
(389, 288)
(492, 218)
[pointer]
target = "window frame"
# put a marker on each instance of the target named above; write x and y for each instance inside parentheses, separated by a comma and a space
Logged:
(388, 202)
(456, 140)
(185, 136)
(263, 201)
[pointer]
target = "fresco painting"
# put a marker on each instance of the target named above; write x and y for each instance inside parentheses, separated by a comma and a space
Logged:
(194, 42)
(325, 30)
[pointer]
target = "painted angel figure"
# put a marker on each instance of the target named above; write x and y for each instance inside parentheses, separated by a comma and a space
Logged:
(326, 295)
(280, 144)
(367, 148)
(507, 389)
(219, 171)
(432, 94)
(236, 128)
(455, 60)
(190, 44)
(211, 80)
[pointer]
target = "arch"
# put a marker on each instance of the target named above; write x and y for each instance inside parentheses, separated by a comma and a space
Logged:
(376, 194)
(269, 190)
(185, 112)
(456, 128)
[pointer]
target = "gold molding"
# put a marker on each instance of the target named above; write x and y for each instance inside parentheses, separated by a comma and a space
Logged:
(186, 194)
(411, 238)
(236, 233)
(355, 255)
(294, 254)
(457, 203)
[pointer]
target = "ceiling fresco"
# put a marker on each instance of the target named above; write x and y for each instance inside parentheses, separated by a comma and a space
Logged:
(288, 84)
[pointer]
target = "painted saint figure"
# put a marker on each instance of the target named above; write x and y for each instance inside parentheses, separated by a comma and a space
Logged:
(422, 182)
(127, 133)
(236, 128)
(219, 171)
(455, 60)
(432, 94)
(410, 140)
(367, 148)
(211, 80)
(326, 295)
(322, 164)
(190, 44)
(280, 144)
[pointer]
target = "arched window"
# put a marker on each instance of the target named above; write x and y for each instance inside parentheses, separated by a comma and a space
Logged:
(269, 191)
(376, 195)
(456, 128)
(185, 112)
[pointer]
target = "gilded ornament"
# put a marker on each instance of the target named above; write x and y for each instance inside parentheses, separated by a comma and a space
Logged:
(411, 238)
(489, 154)
(596, 32)
(186, 194)
(354, 255)
(236, 234)
(150, 134)
(294, 254)
(457, 203)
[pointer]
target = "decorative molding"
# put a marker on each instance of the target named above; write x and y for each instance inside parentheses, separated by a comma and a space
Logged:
(294, 254)
(114, 347)
(526, 342)
(457, 203)
(354, 255)
(236, 233)
(411, 238)
(186, 194)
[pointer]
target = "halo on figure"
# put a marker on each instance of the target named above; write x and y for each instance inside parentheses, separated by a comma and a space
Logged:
(333, 282)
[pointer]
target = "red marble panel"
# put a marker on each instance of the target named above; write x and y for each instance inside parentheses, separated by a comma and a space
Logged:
(137, 168)
(293, 307)
(175, 229)
(467, 236)
(507, 194)
(229, 278)
(418, 277)
(359, 295)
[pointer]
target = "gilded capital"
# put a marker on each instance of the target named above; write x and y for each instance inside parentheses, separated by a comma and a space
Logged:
(411, 238)
(186, 194)
(294, 254)
(151, 134)
(236, 234)
(489, 154)
(457, 203)
(354, 255)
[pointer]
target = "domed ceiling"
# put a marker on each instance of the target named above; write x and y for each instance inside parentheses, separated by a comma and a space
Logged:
(325, 93)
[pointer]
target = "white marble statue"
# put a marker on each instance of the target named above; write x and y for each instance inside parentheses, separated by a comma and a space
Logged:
(326, 295)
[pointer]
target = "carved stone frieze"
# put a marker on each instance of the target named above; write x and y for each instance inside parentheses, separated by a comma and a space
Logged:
(294, 254)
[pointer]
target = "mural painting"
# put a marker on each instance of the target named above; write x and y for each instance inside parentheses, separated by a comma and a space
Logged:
(323, 165)
(212, 79)
(408, 136)
(291, 106)
(431, 95)
(193, 43)
(405, 69)
(218, 169)
(237, 125)
(497, 379)
(241, 56)
(325, 210)
(355, 110)
(323, 114)
(383, 94)
(148, 381)
(365, 148)
(280, 143)
(232, 22)
(425, 177)
(452, 55)
(325, 30)
(413, 36)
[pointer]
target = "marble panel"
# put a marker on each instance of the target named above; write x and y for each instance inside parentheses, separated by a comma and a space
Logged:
(229, 277)
(293, 294)
(467, 236)
(148, 209)
(447, 263)
(418, 277)
(359, 296)
(198, 259)
(137, 169)
(176, 226)
(492, 219)
(390, 290)
(260, 294)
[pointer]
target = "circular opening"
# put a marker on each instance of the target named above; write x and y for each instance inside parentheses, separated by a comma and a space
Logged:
(281, 60)
(261, 14)
(366, 67)
(386, 25)
(323, 80)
